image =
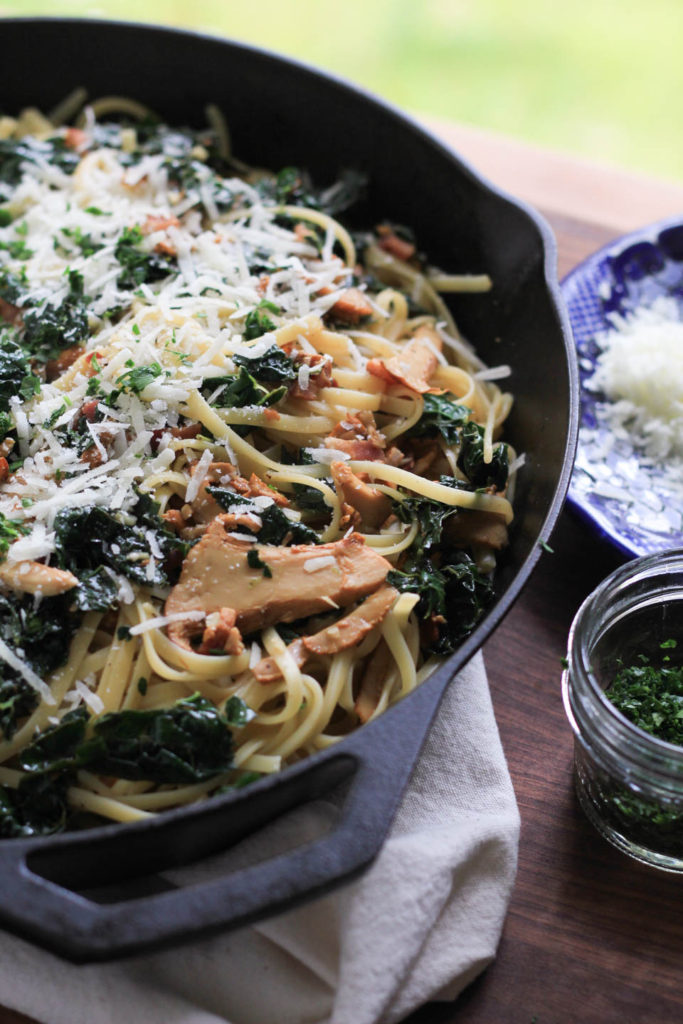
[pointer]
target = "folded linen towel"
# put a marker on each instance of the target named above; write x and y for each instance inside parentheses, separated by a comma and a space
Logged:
(421, 923)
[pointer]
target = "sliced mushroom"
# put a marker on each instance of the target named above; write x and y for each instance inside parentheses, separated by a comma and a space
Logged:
(268, 584)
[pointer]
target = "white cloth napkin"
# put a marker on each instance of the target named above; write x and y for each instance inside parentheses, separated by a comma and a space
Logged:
(419, 925)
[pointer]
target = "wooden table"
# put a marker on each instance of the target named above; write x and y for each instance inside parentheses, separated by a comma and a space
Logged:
(591, 936)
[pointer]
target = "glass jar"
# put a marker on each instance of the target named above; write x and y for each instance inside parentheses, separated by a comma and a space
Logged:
(629, 783)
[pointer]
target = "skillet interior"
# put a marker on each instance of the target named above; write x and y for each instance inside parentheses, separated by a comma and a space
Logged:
(283, 113)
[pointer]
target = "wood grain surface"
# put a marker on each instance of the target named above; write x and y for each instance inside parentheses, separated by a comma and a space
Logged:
(591, 937)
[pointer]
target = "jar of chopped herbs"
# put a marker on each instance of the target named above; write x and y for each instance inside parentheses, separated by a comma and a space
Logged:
(623, 694)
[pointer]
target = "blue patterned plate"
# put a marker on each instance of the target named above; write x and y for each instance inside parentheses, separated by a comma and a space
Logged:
(634, 502)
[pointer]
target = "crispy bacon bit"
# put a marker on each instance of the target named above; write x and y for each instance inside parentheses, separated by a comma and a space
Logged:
(173, 518)
(263, 282)
(159, 222)
(186, 433)
(394, 244)
(346, 632)
(358, 436)
(271, 414)
(216, 574)
(221, 633)
(257, 488)
(414, 366)
(4, 468)
(88, 410)
(319, 379)
(371, 505)
(351, 307)
(75, 138)
(55, 367)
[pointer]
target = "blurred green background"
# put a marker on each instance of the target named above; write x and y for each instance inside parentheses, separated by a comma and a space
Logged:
(600, 78)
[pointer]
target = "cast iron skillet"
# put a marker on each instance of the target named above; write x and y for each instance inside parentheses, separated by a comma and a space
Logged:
(96, 895)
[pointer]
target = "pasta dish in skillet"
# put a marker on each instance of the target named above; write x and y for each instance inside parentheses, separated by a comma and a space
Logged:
(252, 487)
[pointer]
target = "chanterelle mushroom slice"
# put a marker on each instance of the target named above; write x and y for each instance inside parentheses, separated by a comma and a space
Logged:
(341, 635)
(274, 584)
(36, 578)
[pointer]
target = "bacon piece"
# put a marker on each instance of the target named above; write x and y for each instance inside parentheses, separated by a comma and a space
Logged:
(346, 632)
(372, 504)
(4, 468)
(221, 633)
(394, 244)
(414, 366)
(55, 367)
(280, 588)
(351, 307)
(159, 222)
(75, 138)
(322, 378)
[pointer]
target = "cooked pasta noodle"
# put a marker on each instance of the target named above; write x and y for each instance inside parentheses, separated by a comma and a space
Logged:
(252, 483)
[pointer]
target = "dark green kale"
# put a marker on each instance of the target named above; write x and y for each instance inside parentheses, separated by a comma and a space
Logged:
(471, 459)
(91, 538)
(453, 593)
(16, 153)
(12, 286)
(456, 591)
(274, 366)
(38, 807)
(41, 637)
(650, 694)
(17, 701)
(241, 391)
(189, 742)
(138, 266)
(15, 373)
(49, 329)
(258, 322)
(276, 527)
(441, 415)
(42, 634)
(293, 187)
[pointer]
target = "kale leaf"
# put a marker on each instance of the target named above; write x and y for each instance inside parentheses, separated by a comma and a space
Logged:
(17, 700)
(49, 329)
(293, 187)
(273, 366)
(471, 459)
(91, 537)
(188, 742)
(441, 415)
(455, 591)
(37, 807)
(42, 638)
(258, 322)
(275, 527)
(138, 266)
(241, 391)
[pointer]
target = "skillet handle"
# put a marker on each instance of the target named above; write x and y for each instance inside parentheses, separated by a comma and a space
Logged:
(38, 877)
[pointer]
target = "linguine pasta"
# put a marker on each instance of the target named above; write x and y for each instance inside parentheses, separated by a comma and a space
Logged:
(252, 483)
